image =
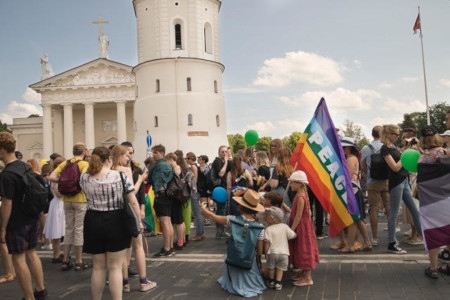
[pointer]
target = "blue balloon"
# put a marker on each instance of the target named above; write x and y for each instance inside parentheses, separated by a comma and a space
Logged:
(219, 195)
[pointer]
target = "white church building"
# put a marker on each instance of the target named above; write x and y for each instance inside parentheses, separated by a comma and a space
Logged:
(174, 93)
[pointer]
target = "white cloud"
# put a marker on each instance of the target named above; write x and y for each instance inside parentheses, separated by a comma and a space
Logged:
(410, 79)
(260, 127)
(445, 82)
(242, 90)
(402, 106)
(357, 63)
(339, 99)
(292, 125)
(31, 96)
(299, 67)
(385, 85)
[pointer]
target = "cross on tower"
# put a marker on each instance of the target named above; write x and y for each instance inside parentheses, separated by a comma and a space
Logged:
(100, 21)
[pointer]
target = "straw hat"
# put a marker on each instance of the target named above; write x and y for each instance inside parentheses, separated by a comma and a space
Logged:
(250, 200)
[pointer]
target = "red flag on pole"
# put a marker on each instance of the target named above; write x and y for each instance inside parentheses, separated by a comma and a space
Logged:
(417, 24)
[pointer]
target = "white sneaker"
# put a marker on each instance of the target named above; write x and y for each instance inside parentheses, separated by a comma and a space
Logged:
(47, 247)
(407, 233)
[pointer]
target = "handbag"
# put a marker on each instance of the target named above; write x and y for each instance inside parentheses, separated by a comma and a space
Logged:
(131, 220)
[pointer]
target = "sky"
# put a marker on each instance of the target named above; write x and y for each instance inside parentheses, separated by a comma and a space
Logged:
(280, 57)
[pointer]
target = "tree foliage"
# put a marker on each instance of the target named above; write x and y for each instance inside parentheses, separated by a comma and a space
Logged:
(292, 140)
(4, 127)
(34, 116)
(236, 142)
(418, 120)
(263, 144)
(354, 131)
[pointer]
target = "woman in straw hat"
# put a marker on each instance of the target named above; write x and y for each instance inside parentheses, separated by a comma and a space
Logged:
(246, 283)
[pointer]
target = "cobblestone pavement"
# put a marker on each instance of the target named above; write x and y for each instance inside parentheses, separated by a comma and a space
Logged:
(193, 271)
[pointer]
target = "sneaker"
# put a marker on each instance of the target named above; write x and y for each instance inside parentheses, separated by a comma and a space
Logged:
(222, 235)
(41, 295)
(271, 284)
(321, 236)
(126, 288)
(207, 222)
(192, 225)
(397, 229)
(393, 248)
(431, 273)
(416, 241)
(160, 253)
(47, 247)
(338, 245)
(176, 247)
(407, 233)
(147, 286)
(278, 287)
(444, 254)
(132, 273)
(374, 242)
(169, 253)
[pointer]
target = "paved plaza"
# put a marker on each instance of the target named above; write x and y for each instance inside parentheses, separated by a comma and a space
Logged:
(193, 271)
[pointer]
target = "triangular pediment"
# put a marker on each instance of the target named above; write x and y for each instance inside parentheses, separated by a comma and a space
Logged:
(36, 146)
(110, 141)
(99, 72)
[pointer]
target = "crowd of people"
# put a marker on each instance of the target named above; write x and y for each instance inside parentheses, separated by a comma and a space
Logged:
(261, 188)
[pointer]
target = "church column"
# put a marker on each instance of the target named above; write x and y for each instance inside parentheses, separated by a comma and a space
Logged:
(89, 129)
(121, 122)
(68, 130)
(47, 134)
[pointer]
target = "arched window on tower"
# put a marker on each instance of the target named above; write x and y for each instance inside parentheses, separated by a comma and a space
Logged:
(208, 38)
(217, 120)
(178, 44)
(157, 86)
(156, 121)
(188, 84)
(215, 86)
(190, 120)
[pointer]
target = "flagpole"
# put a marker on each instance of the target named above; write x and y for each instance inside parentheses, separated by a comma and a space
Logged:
(424, 73)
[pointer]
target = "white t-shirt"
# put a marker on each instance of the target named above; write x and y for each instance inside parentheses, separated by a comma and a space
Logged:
(278, 235)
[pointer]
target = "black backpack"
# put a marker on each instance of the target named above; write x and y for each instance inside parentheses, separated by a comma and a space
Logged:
(378, 166)
(35, 194)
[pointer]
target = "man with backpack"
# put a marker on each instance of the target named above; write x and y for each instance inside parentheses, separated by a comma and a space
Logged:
(377, 188)
(67, 175)
(18, 230)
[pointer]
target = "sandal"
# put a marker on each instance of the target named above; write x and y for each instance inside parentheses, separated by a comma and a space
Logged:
(366, 247)
(444, 269)
(58, 260)
(197, 238)
(347, 249)
(7, 278)
(66, 265)
(82, 266)
(303, 282)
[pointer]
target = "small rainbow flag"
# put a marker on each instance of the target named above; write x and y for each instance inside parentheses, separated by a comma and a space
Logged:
(320, 155)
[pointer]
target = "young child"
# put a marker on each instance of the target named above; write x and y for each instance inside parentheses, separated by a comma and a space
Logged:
(276, 236)
(304, 253)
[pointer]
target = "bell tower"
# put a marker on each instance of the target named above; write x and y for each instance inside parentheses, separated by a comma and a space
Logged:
(179, 98)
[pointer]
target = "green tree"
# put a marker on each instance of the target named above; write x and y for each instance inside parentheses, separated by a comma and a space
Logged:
(4, 127)
(354, 131)
(419, 119)
(236, 142)
(292, 140)
(263, 144)
(34, 116)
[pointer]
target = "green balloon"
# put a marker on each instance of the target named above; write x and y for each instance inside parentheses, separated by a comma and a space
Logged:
(251, 137)
(410, 159)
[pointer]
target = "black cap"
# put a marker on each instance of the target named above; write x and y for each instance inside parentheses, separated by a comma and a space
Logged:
(428, 130)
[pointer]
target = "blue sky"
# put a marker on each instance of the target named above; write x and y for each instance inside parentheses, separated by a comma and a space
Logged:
(280, 56)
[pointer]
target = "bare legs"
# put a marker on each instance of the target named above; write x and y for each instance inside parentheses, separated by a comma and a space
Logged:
(113, 262)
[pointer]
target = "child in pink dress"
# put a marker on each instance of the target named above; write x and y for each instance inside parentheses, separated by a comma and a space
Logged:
(304, 253)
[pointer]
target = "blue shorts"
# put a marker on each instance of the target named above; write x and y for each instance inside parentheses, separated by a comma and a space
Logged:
(22, 239)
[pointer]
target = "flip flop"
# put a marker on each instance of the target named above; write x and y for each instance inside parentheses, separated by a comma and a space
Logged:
(197, 238)
(303, 282)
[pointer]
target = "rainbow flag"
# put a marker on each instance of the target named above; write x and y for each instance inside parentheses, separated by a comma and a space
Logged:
(320, 155)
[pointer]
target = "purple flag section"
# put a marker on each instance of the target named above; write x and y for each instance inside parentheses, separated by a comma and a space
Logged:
(433, 185)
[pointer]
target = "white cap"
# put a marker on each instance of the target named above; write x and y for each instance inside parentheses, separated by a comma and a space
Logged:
(299, 176)
(446, 133)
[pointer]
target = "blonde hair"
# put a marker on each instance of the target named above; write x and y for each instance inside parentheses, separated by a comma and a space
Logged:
(116, 152)
(388, 129)
(262, 159)
(429, 142)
